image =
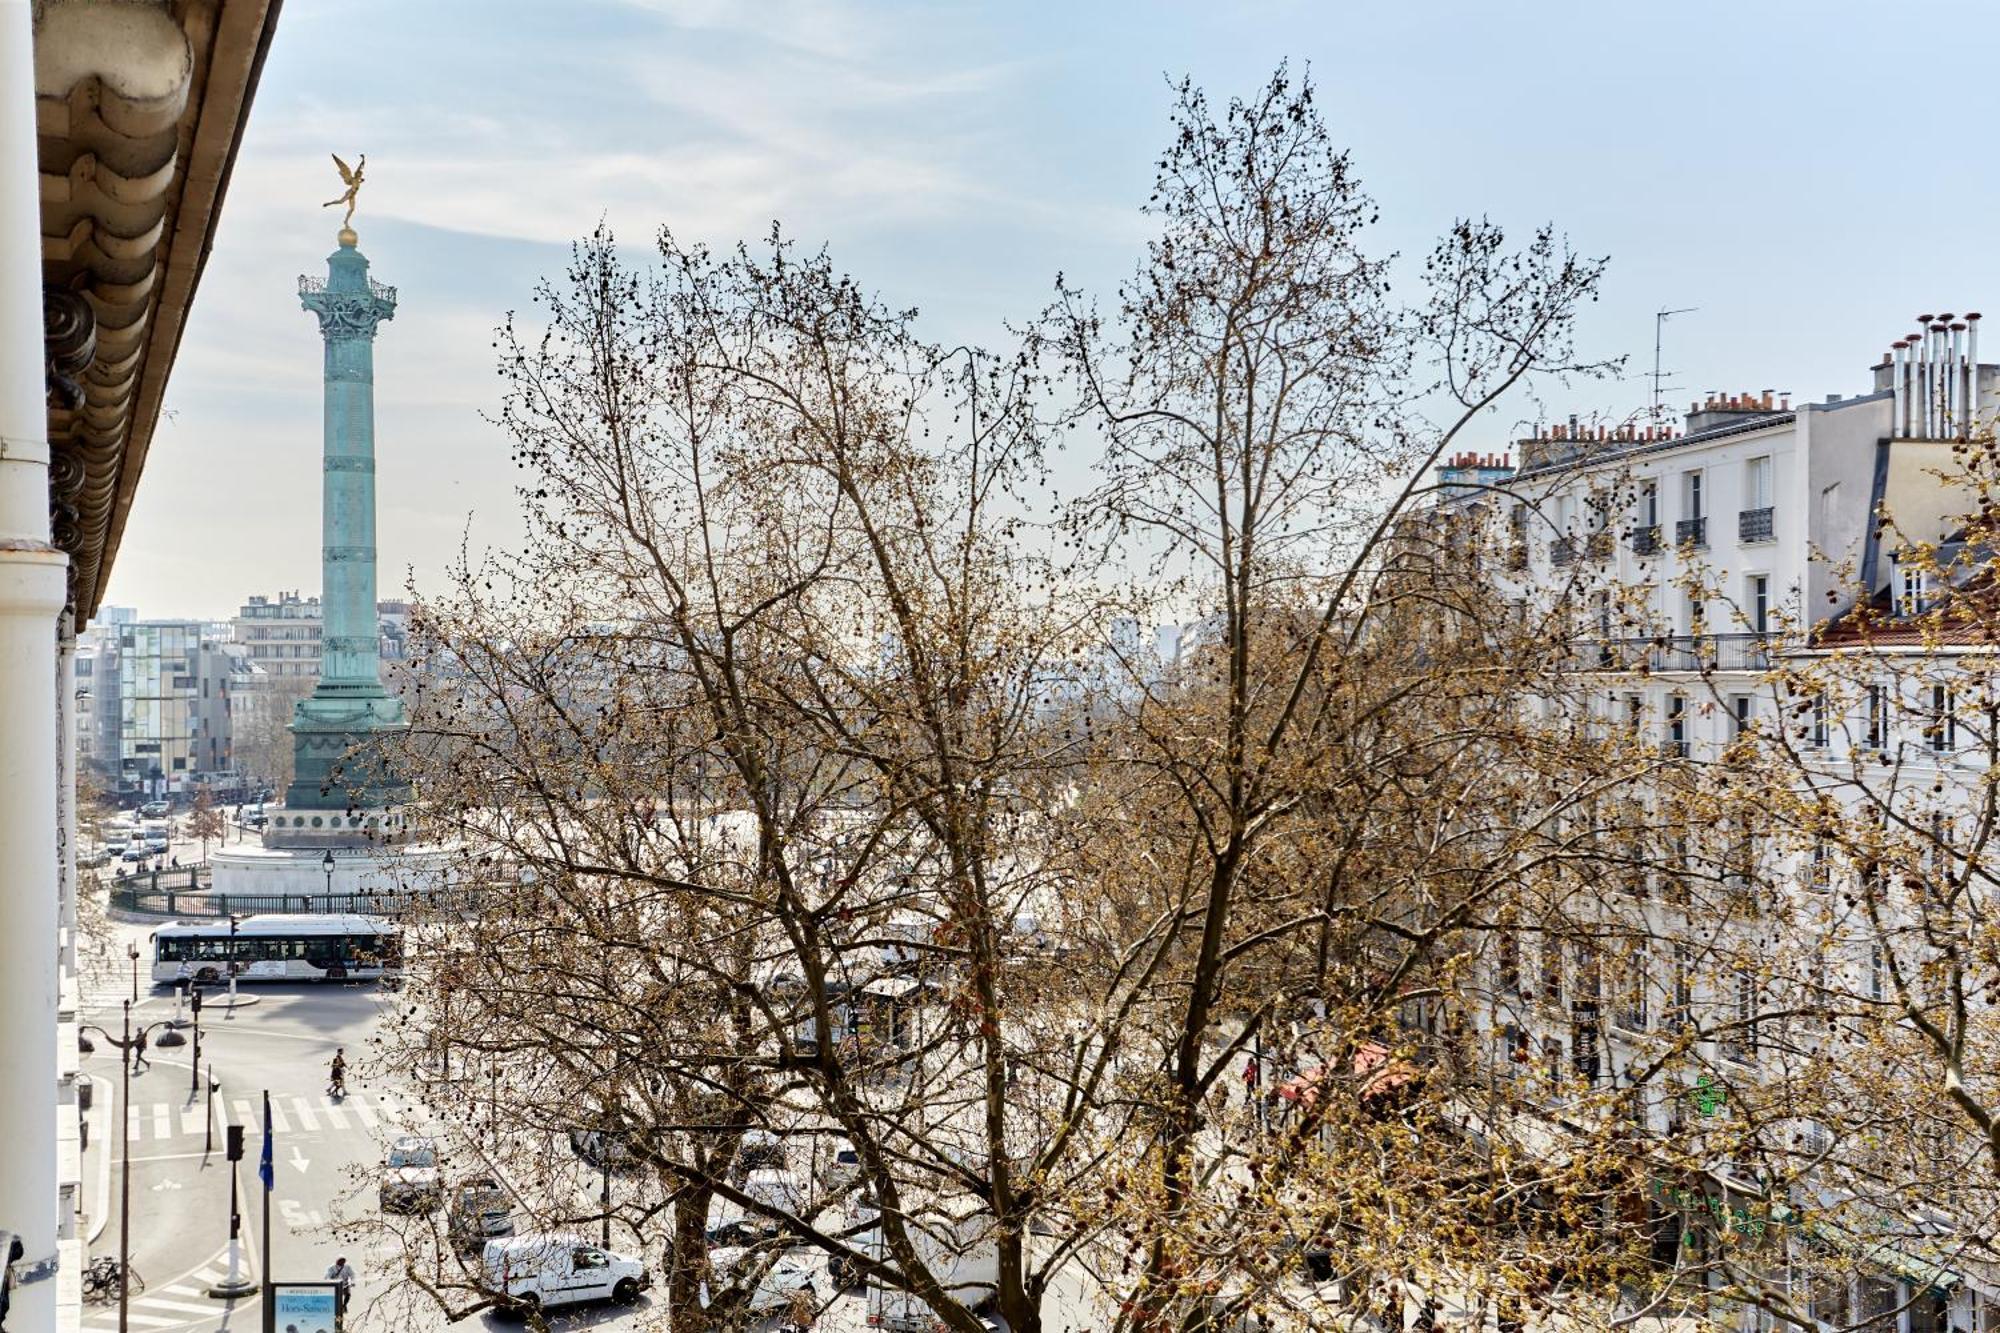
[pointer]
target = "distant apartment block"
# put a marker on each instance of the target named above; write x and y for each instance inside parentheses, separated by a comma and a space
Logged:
(281, 635)
(157, 699)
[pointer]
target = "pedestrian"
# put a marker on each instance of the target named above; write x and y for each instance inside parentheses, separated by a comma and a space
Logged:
(173, 863)
(139, 1060)
(342, 1278)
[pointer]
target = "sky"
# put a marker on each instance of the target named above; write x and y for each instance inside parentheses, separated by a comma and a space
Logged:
(1778, 166)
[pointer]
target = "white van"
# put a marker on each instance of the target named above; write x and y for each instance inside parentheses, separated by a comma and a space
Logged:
(549, 1269)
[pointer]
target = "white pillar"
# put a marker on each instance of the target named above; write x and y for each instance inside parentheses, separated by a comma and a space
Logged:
(31, 596)
(69, 886)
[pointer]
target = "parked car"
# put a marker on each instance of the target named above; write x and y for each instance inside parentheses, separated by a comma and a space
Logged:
(410, 1177)
(740, 1233)
(603, 1148)
(779, 1191)
(96, 856)
(546, 1270)
(134, 851)
(155, 810)
(772, 1292)
(480, 1211)
(841, 1168)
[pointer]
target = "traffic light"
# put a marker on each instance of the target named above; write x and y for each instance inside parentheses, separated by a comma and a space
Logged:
(235, 1150)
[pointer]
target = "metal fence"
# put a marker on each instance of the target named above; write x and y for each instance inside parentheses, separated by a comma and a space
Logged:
(136, 895)
(183, 878)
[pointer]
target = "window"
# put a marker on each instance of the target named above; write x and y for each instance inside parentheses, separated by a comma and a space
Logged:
(1757, 483)
(1877, 734)
(1552, 1061)
(1819, 867)
(1677, 734)
(1589, 975)
(1507, 963)
(1691, 496)
(1941, 732)
(1759, 607)
(1742, 714)
(1649, 504)
(1635, 715)
(1681, 1000)
(1742, 1044)
(1552, 970)
(1696, 615)
(1631, 1011)
(1817, 735)
(1913, 597)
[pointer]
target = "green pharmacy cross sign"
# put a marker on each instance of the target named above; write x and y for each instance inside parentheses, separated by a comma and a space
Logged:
(1709, 1096)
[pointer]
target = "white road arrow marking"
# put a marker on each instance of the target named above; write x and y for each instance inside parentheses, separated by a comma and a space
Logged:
(298, 1158)
(166, 1185)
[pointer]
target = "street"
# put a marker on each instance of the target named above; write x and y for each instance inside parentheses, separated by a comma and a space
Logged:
(325, 1158)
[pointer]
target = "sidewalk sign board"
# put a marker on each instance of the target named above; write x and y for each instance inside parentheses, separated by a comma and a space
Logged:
(304, 1307)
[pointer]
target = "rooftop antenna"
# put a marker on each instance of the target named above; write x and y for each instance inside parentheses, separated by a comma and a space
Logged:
(1660, 319)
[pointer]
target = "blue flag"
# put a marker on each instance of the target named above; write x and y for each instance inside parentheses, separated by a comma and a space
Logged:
(264, 1171)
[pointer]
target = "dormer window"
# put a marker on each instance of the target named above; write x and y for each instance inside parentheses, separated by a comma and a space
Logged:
(1913, 591)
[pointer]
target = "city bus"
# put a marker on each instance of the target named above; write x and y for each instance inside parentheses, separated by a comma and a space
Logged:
(280, 947)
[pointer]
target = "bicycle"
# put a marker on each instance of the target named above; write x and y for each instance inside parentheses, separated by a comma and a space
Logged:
(102, 1280)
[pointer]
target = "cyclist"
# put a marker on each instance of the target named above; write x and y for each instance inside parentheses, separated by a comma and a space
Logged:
(337, 1080)
(341, 1275)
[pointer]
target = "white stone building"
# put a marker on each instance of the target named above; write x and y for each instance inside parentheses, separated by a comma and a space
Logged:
(1689, 563)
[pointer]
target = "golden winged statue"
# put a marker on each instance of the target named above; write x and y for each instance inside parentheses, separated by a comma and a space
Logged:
(352, 177)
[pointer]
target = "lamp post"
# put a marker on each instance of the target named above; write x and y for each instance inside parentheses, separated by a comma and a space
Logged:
(127, 1045)
(132, 952)
(327, 866)
(208, 1138)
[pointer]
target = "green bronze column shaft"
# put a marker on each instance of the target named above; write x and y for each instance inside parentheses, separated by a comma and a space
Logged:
(348, 709)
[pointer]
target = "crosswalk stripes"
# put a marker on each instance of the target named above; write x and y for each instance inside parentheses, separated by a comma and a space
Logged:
(161, 1122)
(184, 1302)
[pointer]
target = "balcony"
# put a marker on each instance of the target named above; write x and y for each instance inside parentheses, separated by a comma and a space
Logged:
(1561, 551)
(1692, 532)
(1598, 546)
(1711, 652)
(1646, 541)
(1753, 525)
(1676, 652)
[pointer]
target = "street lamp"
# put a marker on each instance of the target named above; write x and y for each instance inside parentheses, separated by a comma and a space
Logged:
(132, 952)
(127, 1046)
(327, 866)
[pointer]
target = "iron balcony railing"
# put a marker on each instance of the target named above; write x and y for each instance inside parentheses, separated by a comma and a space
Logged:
(1562, 550)
(1691, 532)
(1753, 525)
(1678, 652)
(1646, 541)
(1598, 546)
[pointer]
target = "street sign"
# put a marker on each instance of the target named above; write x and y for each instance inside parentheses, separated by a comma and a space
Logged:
(304, 1307)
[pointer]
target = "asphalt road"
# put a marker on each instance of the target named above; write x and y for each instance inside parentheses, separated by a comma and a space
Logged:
(326, 1158)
